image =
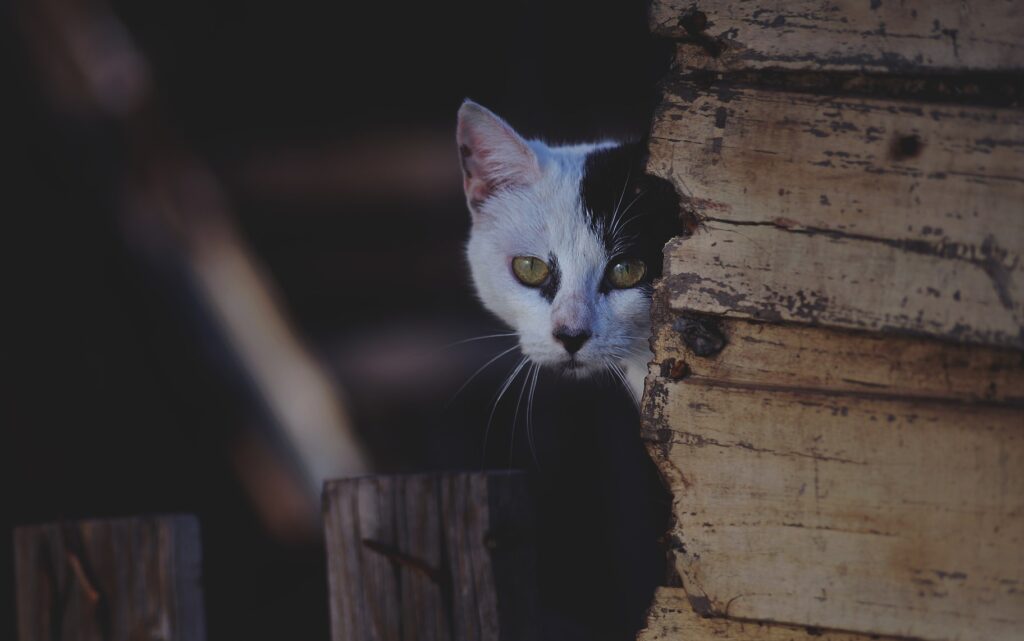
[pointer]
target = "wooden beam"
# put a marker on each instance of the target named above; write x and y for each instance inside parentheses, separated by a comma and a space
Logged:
(849, 212)
(110, 580)
(431, 557)
(939, 178)
(672, 618)
(842, 511)
(768, 273)
(795, 357)
(855, 35)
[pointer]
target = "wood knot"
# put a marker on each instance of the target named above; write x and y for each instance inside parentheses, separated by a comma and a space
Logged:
(701, 335)
(675, 369)
(906, 147)
(695, 23)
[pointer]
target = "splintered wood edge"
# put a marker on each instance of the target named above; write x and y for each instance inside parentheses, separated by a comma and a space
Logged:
(674, 617)
(845, 35)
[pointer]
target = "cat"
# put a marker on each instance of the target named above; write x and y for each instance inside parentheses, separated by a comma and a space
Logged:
(565, 243)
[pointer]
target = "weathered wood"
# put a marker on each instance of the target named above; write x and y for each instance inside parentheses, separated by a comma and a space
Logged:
(770, 273)
(421, 557)
(796, 189)
(672, 618)
(880, 35)
(847, 512)
(944, 179)
(110, 580)
(794, 357)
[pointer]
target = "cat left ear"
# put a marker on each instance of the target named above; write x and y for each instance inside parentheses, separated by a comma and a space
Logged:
(494, 156)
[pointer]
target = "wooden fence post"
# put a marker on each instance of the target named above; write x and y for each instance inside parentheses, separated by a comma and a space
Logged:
(110, 580)
(431, 557)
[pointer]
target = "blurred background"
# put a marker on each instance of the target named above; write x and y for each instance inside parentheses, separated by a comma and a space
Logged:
(232, 267)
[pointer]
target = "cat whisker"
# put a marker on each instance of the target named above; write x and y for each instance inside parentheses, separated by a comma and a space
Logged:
(621, 221)
(633, 202)
(476, 373)
(497, 399)
(622, 377)
(515, 415)
(529, 415)
(476, 338)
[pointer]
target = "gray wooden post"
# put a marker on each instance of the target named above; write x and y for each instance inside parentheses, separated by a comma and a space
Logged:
(111, 580)
(431, 557)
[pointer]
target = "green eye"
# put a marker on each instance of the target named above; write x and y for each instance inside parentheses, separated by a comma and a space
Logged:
(530, 270)
(626, 273)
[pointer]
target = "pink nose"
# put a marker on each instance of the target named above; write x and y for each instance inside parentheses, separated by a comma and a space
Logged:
(572, 340)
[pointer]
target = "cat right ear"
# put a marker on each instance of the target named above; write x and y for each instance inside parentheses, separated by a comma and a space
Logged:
(494, 156)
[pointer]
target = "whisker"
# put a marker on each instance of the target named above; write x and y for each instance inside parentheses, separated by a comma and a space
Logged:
(476, 338)
(515, 415)
(497, 400)
(622, 222)
(612, 223)
(476, 373)
(625, 383)
(529, 415)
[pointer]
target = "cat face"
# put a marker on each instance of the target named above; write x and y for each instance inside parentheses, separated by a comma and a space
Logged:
(565, 242)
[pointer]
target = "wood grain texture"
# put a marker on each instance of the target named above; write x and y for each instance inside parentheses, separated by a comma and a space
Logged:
(796, 189)
(769, 273)
(944, 179)
(794, 357)
(421, 557)
(846, 512)
(875, 35)
(672, 618)
(941, 178)
(110, 580)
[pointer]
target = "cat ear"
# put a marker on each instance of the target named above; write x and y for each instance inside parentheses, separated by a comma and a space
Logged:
(494, 156)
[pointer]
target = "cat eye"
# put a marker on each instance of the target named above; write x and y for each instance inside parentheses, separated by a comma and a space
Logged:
(530, 270)
(626, 273)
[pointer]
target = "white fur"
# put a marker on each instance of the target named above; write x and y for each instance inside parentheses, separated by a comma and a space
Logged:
(540, 214)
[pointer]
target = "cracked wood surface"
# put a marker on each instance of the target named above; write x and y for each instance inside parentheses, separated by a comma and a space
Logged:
(937, 177)
(855, 35)
(849, 512)
(772, 274)
(110, 580)
(672, 618)
(851, 212)
(772, 356)
(431, 557)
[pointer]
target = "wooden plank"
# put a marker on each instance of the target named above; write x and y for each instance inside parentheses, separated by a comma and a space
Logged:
(845, 512)
(769, 273)
(431, 556)
(110, 580)
(791, 357)
(854, 35)
(945, 179)
(925, 199)
(672, 618)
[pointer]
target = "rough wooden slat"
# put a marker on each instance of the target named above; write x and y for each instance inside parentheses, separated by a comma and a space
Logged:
(769, 273)
(431, 557)
(815, 359)
(110, 580)
(845, 512)
(944, 179)
(875, 35)
(672, 618)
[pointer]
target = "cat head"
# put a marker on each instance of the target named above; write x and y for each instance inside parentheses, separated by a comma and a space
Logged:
(565, 241)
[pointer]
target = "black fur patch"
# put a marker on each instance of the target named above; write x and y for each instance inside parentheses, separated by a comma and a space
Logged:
(550, 288)
(615, 192)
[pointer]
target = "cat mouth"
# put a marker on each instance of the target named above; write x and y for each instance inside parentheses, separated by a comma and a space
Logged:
(574, 367)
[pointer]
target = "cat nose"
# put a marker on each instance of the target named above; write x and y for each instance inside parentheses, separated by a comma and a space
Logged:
(572, 340)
